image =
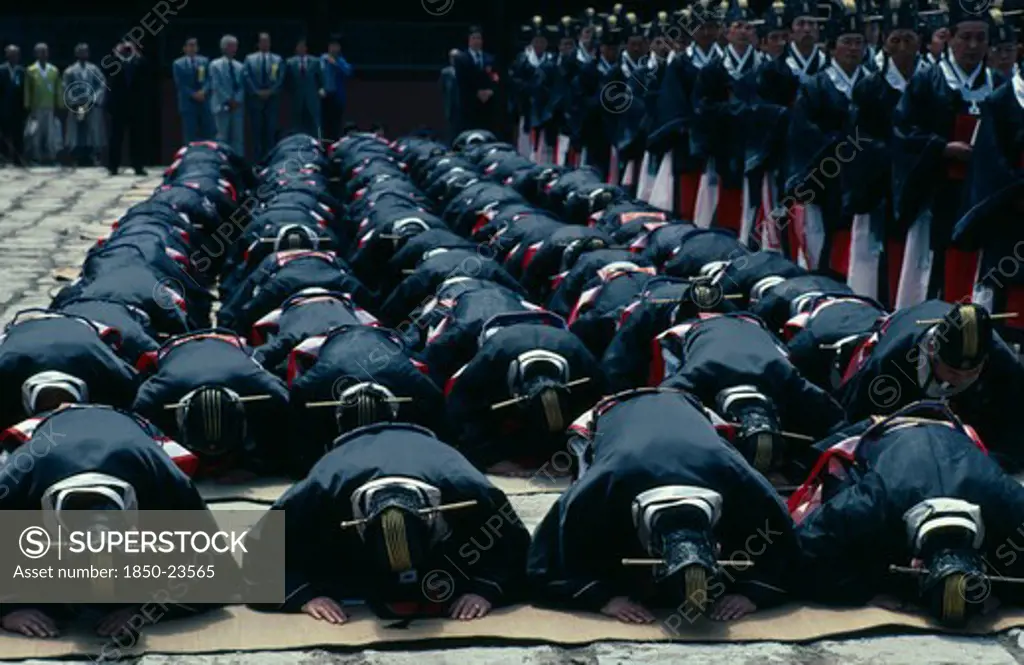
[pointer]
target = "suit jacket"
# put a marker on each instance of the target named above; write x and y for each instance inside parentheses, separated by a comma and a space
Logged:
(43, 90)
(226, 83)
(127, 83)
(335, 76)
(260, 77)
(12, 91)
(189, 79)
(473, 78)
(304, 87)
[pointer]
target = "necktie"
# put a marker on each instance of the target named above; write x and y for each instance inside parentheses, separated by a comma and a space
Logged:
(479, 59)
(265, 77)
(302, 66)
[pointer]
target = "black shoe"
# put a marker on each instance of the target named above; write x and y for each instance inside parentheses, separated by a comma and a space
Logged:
(141, 172)
(113, 172)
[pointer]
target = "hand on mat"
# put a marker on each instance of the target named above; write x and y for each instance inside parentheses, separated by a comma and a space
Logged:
(32, 623)
(732, 607)
(469, 607)
(115, 621)
(625, 610)
(325, 609)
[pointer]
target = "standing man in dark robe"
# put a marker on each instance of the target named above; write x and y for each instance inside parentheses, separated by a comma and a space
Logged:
(522, 75)
(628, 102)
(876, 246)
(936, 33)
(553, 98)
(670, 135)
(658, 33)
(12, 107)
(995, 202)
(819, 145)
(934, 128)
(478, 81)
(803, 55)
(598, 123)
(1002, 55)
(720, 97)
(127, 115)
(776, 87)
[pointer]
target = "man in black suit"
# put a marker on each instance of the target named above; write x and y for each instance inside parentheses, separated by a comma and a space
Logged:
(126, 105)
(12, 107)
(478, 82)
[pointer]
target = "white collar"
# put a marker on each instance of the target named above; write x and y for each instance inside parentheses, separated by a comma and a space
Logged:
(799, 64)
(699, 58)
(1018, 88)
(958, 79)
(736, 64)
(894, 77)
(841, 81)
(531, 56)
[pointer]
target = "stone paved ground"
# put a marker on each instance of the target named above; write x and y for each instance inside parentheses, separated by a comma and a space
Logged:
(48, 218)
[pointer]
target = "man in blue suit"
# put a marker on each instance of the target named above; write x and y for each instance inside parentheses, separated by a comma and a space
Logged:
(305, 83)
(337, 71)
(227, 96)
(264, 75)
(192, 81)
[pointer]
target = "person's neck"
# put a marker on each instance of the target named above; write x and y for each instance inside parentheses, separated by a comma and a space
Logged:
(706, 46)
(848, 69)
(967, 68)
(804, 51)
(42, 63)
(740, 49)
(83, 61)
(906, 69)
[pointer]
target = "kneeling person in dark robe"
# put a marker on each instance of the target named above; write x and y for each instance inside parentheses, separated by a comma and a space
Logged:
(913, 494)
(98, 458)
(661, 484)
(384, 511)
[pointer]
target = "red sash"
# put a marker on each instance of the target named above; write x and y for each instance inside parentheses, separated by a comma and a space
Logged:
(729, 212)
(963, 131)
(839, 253)
(687, 185)
(1015, 303)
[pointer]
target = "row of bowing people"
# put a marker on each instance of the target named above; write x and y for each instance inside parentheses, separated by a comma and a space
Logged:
(877, 140)
(397, 319)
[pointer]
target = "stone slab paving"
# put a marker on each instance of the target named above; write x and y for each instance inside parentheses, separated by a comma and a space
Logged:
(50, 217)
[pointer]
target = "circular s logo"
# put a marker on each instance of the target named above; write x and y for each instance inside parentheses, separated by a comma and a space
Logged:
(438, 586)
(616, 97)
(437, 7)
(884, 391)
(34, 542)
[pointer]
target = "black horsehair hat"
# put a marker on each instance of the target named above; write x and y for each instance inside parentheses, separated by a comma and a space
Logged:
(963, 337)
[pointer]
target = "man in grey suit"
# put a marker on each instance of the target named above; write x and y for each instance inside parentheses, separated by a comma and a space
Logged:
(264, 75)
(305, 83)
(227, 96)
(192, 81)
